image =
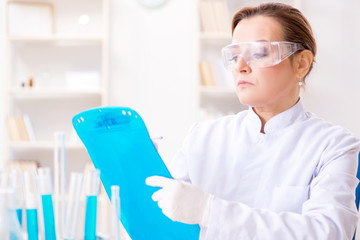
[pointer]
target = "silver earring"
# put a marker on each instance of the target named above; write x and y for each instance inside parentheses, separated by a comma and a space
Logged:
(300, 83)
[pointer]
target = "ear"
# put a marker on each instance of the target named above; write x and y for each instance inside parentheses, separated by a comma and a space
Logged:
(302, 63)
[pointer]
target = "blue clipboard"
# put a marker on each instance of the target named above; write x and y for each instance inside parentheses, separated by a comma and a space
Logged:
(119, 144)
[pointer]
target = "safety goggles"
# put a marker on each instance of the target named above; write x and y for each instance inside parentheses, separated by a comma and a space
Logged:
(258, 54)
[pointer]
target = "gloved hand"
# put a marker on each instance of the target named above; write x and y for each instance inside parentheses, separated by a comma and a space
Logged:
(181, 201)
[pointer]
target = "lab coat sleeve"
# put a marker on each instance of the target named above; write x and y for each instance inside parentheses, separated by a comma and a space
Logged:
(329, 212)
(179, 164)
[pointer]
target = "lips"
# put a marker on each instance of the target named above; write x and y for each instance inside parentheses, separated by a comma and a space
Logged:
(244, 83)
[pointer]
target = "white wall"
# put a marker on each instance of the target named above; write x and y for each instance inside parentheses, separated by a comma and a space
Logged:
(333, 90)
(153, 68)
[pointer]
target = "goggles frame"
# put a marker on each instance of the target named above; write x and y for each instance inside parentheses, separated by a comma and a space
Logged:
(279, 51)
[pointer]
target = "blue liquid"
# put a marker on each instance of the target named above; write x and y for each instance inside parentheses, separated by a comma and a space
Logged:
(19, 215)
(49, 220)
(13, 236)
(90, 218)
(32, 224)
(14, 228)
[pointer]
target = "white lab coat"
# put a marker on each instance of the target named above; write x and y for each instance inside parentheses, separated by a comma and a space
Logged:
(296, 181)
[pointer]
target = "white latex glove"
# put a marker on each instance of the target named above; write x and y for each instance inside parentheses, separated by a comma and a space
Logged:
(181, 201)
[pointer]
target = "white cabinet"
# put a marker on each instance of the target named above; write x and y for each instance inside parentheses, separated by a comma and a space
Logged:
(56, 64)
(67, 62)
(216, 90)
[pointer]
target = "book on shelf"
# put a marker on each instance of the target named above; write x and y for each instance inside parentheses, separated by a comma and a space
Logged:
(22, 165)
(207, 19)
(29, 128)
(214, 16)
(20, 128)
(222, 16)
(206, 74)
(213, 73)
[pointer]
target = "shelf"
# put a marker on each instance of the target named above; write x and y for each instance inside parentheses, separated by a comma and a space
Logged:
(52, 93)
(43, 145)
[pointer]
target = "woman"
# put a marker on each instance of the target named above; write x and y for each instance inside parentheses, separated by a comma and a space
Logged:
(274, 171)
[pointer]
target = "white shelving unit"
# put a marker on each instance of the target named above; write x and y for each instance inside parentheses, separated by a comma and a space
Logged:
(76, 49)
(73, 45)
(220, 98)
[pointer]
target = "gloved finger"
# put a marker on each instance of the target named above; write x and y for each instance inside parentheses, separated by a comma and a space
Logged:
(158, 181)
(169, 213)
(161, 204)
(165, 211)
(157, 196)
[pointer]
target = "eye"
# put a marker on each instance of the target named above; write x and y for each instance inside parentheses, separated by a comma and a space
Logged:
(234, 59)
(259, 55)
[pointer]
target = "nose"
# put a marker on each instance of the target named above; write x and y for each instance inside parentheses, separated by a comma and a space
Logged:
(242, 66)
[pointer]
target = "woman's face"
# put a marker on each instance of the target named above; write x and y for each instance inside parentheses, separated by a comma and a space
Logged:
(262, 87)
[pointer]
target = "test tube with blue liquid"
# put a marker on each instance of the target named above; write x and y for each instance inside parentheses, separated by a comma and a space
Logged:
(72, 208)
(10, 228)
(91, 191)
(45, 190)
(31, 206)
(16, 182)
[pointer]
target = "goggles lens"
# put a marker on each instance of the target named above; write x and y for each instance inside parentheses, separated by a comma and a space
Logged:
(258, 54)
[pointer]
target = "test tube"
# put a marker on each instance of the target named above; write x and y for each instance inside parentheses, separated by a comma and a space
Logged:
(72, 210)
(59, 180)
(3, 179)
(31, 206)
(16, 182)
(45, 190)
(91, 191)
(115, 210)
(10, 227)
(3, 210)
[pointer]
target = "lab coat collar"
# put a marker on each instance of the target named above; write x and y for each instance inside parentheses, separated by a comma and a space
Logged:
(284, 119)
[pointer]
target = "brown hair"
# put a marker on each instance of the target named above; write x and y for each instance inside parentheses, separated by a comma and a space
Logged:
(295, 26)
